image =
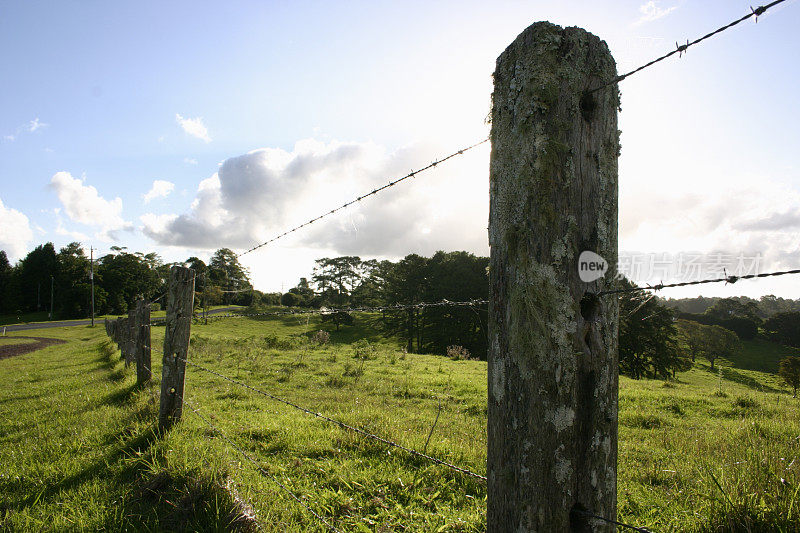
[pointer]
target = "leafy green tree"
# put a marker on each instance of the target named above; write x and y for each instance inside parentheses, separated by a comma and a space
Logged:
(36, 271)
(6, 272)
(789, 371)
(647, 336)
(126, 276)
(406, 284)
(336, 278)
(718, 342)
(784, 328)
(225, 271)
(455, 276)
(74, 285)
(689, 335)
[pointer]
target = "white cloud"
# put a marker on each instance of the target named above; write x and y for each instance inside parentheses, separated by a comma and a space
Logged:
(650, 11)
(35, 124)
(83, 204)
(15, 232)
(753, 216)
(259, 194)
(160, 189)
(194, 127)
(190, 161)
(29, 127)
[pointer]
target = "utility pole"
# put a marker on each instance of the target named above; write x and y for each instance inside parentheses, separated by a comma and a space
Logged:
(51, 297)
(91, 277)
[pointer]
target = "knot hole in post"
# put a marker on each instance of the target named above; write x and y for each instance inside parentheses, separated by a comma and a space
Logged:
(590, 311)
(579, 518)
(588, 106)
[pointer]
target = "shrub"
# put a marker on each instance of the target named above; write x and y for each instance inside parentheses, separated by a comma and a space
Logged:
(364, 350)
(457, 353)
(321, 338)
(154, 307)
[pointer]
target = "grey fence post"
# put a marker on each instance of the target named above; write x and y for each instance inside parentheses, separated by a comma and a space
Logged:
(131, 334)
(180, 302)
(122, 336)
(143, 364)
(552, 429)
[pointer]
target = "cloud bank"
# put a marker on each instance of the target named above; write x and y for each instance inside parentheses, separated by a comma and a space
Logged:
(15, 232)
(257, 195)
(83, 204)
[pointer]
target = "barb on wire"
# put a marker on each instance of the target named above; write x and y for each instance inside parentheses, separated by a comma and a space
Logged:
(333, 310)
(681, 49)
(342, 425)
(593, 516)
(365, 195)
(261, 469)
(726, 280)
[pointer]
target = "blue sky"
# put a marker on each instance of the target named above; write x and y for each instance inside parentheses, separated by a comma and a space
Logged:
(241, 119)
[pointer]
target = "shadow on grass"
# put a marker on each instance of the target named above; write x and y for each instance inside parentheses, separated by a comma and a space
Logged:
(730, 374)
(137, 445)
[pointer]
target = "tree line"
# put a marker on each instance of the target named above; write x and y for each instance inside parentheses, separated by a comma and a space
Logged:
(656, 338)
(120, 277)
(349, 281)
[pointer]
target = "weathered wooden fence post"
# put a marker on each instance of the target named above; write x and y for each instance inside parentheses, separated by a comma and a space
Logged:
(552, 430)
(131, 334)
(122, 342)
(143, 364)
(180, 303)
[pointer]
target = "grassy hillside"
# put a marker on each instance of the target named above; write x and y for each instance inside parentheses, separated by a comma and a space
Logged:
(78, 447)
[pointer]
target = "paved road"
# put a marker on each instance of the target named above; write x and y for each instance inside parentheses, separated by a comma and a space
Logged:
(67, 323)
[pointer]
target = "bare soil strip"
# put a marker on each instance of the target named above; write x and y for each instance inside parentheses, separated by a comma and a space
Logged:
(19, 349)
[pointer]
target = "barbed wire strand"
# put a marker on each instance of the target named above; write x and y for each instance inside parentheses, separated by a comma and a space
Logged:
(261, 469)
(614, 522)
(681, 49)
(354, 429)
(358, 199)
(333, 310)
(726, 279)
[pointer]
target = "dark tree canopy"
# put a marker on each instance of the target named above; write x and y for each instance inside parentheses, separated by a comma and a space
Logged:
(647, 337)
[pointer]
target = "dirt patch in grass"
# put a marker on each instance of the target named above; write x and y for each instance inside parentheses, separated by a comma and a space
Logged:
(32, 344)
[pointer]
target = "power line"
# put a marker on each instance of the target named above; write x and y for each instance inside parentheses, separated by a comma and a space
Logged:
(358, 199)
(726, 279)
(680, 49)
(354, 429)
(261, 469)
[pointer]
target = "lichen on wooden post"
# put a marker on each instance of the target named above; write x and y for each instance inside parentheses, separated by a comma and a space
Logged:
(180, 303)
(143, 364)
(553, 376)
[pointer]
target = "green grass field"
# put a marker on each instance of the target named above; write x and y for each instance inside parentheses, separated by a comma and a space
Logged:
(711, 451)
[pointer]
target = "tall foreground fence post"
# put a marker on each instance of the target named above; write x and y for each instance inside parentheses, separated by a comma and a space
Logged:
(180, 302)
(552, 430)
(143, 364)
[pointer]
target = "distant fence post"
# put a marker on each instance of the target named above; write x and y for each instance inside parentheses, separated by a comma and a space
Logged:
(553, 368)
(143, 364)
(131, 334)
(180, 303)
(122, 332)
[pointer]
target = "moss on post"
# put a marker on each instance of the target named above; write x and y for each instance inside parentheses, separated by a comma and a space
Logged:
(552, 345)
